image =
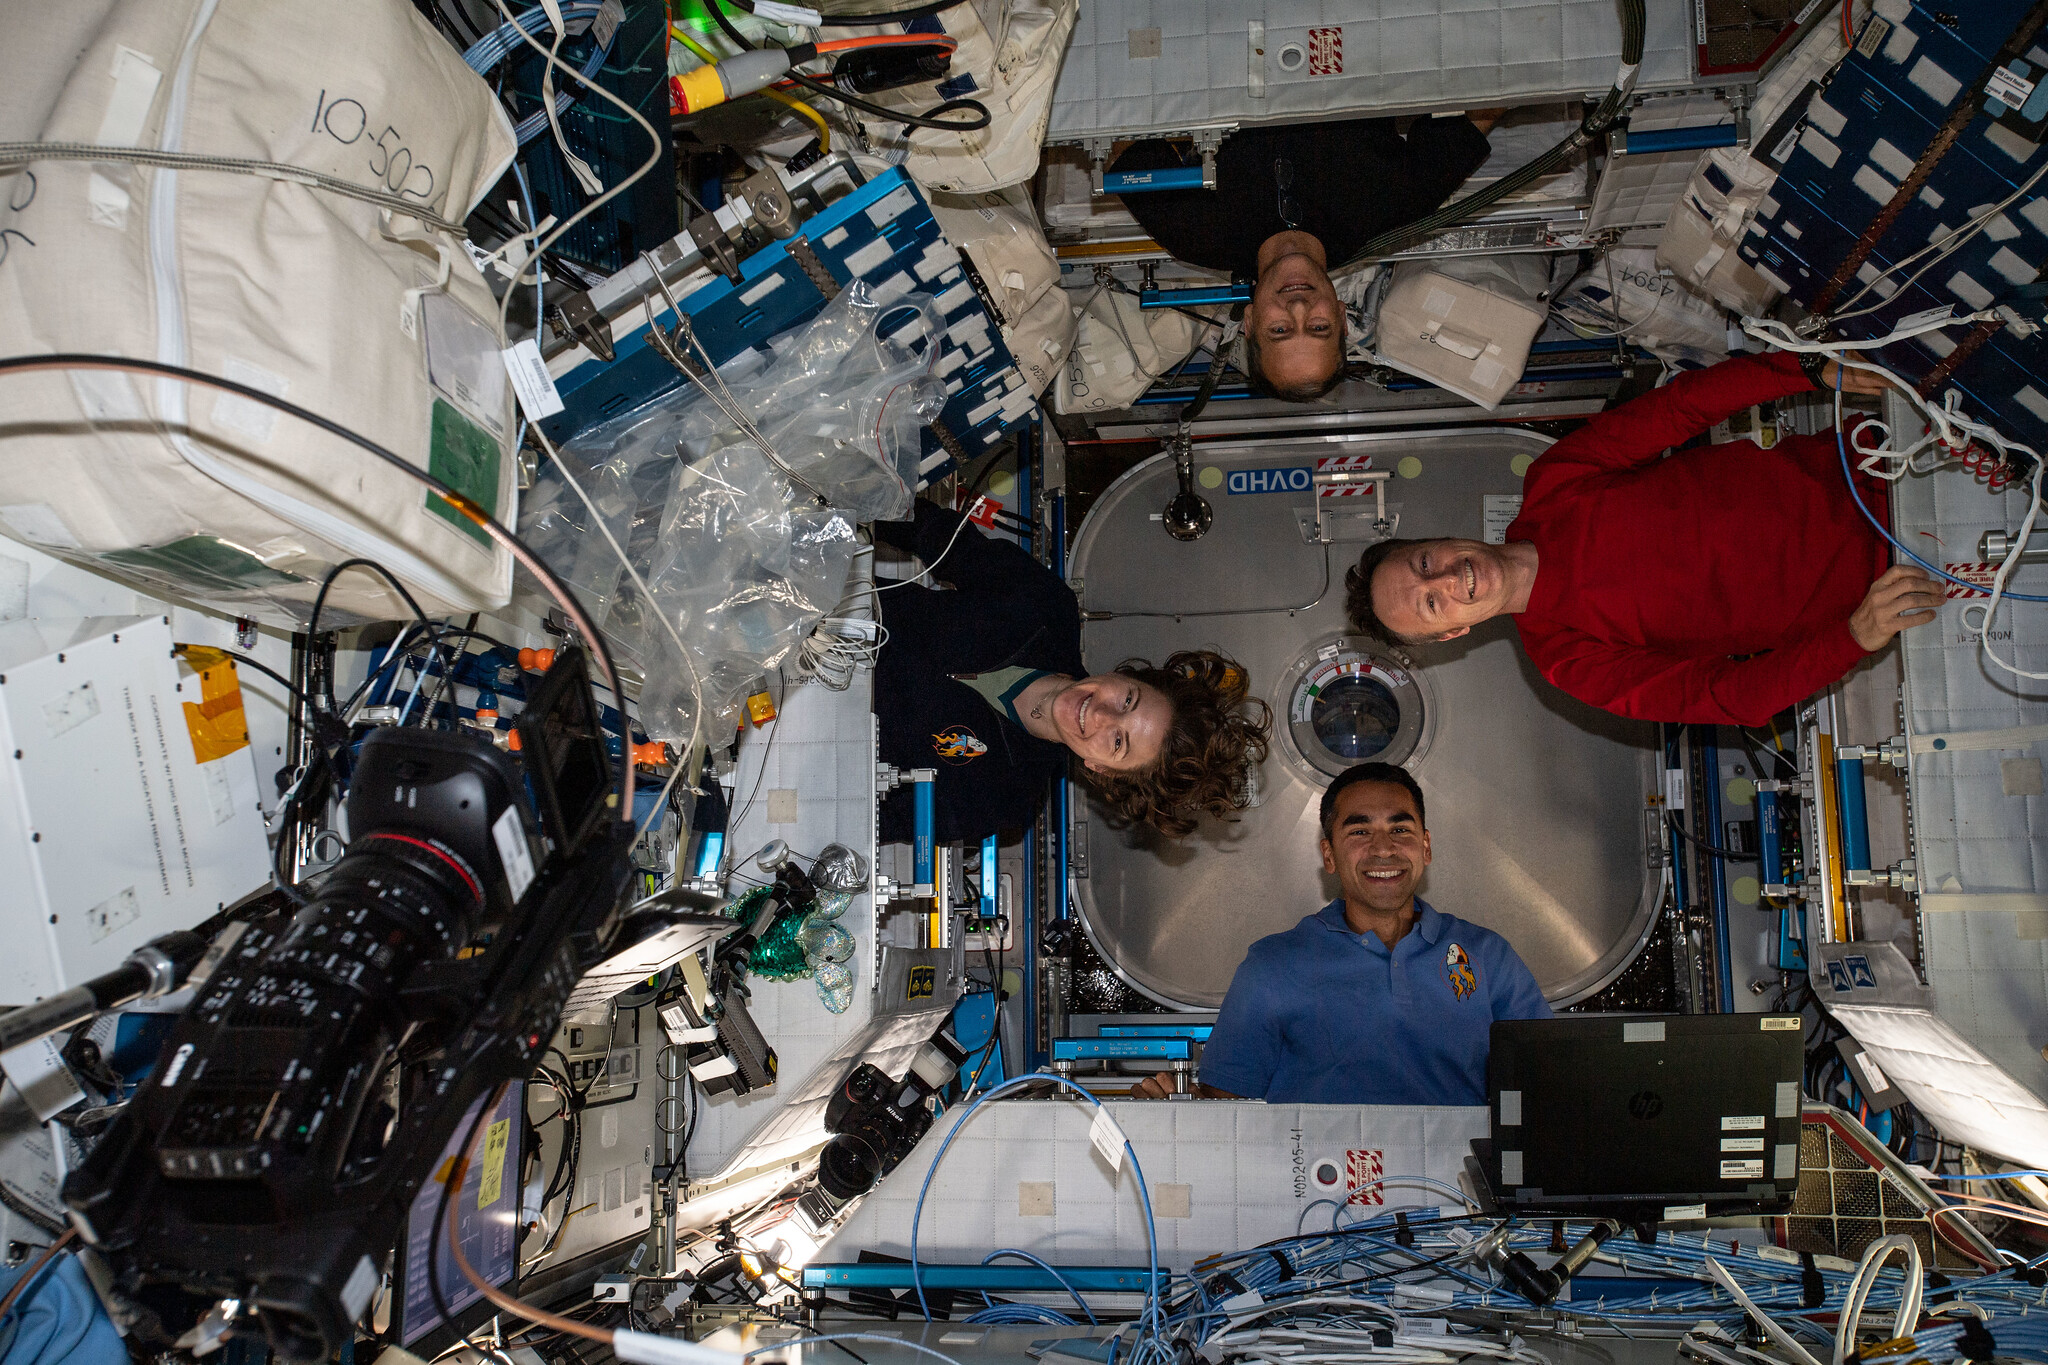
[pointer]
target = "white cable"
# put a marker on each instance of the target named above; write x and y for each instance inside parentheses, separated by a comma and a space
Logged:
(639, 586)
(1948, 426)
(658, 150)
(1784, 1340)
(2012, 558)
(906, 582)
(1943, 248)
(1874, 1257)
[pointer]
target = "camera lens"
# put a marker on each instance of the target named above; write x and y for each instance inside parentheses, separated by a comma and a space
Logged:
(848, 1167)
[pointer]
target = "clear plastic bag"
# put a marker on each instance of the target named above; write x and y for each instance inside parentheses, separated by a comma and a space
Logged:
(847, 404)
(739, 563)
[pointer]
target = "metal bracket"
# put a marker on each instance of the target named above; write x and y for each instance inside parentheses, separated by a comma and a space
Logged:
(814, 269)
(1098, 158)
(1208, 142)
(713, 246)
(1382, 524)
(768, 197)
(577, 317)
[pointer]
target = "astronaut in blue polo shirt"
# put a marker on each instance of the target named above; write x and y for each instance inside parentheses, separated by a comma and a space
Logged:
(1377, 998)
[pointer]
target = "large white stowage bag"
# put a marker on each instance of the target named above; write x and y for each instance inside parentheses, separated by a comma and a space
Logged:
(356, 311)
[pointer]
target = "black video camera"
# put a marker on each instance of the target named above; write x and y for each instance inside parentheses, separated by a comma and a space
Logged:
(302, 1101)
(875, 1122)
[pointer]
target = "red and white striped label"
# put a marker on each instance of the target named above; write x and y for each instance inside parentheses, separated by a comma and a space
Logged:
(1979, 574)
(1326, 52)
(1326, 464)
(1363, 1170)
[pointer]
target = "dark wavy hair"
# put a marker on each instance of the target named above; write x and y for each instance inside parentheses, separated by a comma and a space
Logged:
(1358, 593)
(1218, 734)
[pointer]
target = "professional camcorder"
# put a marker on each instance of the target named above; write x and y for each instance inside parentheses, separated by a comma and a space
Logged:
(302, 1101)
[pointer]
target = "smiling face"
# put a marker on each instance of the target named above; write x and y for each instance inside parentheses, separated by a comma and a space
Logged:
(1114, 722)
(1294, 315)
(1440, 589)
(1376, 846)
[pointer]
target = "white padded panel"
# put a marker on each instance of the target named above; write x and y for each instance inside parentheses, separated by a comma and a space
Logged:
(1239, 1158)
(1399, 56)
(1640, 189)
(824, 751)
(1987, 966)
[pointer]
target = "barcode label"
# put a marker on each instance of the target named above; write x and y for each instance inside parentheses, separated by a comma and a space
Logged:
(531, 380)
(2009, 88)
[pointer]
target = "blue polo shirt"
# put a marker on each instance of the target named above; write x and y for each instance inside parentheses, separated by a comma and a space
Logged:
(1320, 1015)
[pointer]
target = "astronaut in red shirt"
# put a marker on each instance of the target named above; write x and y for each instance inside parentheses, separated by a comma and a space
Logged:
(1717, 585)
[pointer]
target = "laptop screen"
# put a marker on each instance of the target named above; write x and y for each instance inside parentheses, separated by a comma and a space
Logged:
(1672, 1110)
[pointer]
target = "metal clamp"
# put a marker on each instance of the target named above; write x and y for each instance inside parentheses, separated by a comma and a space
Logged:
(577, 318)
(1891, 752)
(1902, 875)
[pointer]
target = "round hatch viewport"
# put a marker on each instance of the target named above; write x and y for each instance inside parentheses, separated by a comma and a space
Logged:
(1349, 703)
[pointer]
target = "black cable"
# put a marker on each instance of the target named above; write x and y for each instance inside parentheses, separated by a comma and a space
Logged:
(925, 120)
(244, 661)
(320, 598)
(928, 119)
(1726, 855)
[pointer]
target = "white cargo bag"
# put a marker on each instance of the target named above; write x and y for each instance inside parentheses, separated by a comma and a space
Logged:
(999, 233)
(1624, 291)
(1119, 349)
(1010, 53)
(354, 310)
(1465, 325)
(1698, 244)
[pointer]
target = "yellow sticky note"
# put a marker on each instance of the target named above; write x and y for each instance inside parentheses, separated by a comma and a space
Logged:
(491, 1183)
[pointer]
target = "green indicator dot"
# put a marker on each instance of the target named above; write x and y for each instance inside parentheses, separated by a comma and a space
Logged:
(1741, 791)
(1744, 890)
(1210, 477)
(1409, 467)
(1002, 483)
(1520, 464)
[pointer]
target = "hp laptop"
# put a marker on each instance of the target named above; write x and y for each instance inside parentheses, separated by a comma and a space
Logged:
(1695, 1114)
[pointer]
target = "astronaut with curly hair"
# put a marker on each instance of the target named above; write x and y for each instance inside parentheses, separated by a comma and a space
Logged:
(981, 679)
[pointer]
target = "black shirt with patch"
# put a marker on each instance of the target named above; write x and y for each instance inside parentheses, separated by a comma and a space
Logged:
(1353, 179)
(1003, 609)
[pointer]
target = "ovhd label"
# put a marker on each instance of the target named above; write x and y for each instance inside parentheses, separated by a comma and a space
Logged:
(1293, 479)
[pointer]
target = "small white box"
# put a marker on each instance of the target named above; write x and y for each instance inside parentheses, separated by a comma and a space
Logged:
(111, 829)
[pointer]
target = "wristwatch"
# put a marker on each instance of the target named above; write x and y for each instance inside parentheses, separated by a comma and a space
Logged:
(1811, 363)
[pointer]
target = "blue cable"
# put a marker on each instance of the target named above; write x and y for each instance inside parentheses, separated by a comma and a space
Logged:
(1848, 477)
(1151, 1320)
(2002, 1175)
(1027, 1256)
(495, 46)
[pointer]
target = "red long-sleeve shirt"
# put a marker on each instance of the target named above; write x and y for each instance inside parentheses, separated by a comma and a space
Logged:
(1651, 572)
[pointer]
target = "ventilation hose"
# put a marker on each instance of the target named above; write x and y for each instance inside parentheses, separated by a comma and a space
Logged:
(1598, 120)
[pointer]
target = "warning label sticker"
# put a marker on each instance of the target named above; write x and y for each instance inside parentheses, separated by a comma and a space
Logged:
(1326, 52)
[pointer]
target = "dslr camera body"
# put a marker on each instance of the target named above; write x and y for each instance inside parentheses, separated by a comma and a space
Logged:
(302, 1100)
